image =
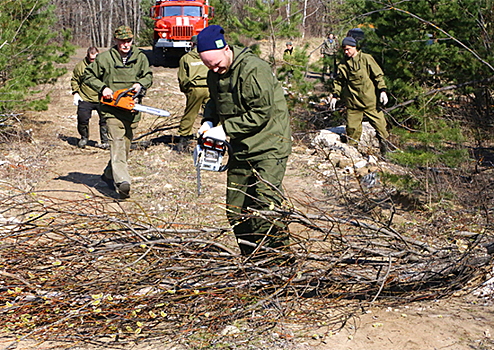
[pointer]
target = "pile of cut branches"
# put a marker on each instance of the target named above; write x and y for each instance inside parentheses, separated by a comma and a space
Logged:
(79, 270)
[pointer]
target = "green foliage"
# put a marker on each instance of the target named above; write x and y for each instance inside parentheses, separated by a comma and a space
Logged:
(223, 15)
(265, 22)
(145, 36)
(407, 183)
(292, 71)
(28, 50)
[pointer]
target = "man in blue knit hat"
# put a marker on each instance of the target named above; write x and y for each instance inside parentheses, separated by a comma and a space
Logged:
(247, 104)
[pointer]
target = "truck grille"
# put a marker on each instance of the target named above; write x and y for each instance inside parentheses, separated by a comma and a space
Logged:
(182, 32)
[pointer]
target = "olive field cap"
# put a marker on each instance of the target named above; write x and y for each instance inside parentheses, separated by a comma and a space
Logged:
(194, 39)
(211, 38)
(349, 41)
(123, 32)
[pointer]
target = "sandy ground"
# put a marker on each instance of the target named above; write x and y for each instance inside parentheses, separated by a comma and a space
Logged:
(463, 322)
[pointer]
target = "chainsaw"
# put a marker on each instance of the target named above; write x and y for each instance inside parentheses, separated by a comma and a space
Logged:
(208, 155)
(125, 99)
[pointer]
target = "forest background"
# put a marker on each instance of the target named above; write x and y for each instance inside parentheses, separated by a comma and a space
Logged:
(436, 56)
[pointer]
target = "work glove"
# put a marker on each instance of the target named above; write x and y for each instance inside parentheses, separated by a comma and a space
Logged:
(217, 133)
(332, 104)
(383, 98)
(77, 99)
(204, 127)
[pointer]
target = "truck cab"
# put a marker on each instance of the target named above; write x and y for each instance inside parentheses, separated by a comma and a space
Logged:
(176, 21)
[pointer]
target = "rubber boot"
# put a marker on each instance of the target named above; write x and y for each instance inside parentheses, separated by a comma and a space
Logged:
(103, 135)
(84, 132)
(383, 146)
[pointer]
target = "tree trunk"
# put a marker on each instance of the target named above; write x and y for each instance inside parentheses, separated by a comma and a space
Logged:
(304, 18)
(92, 21)
(110, 36)
(138, 24)
(288, 11)
(135, 16)
(101, 24)
(125, 12)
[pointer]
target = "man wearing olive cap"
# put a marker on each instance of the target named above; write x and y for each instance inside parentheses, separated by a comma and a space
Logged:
(192, 75)
(124, 66)
(247, 104)
(359, 82)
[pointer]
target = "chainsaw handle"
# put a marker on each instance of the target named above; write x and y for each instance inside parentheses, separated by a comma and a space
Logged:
(229, 150)
(122, 94)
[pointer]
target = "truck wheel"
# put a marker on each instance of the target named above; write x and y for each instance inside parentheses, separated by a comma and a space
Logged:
(158, 56)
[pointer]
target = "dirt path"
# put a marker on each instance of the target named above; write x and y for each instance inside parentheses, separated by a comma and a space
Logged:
(164, 178)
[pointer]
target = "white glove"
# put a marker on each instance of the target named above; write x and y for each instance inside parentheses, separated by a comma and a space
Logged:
(217, 133)
(204, 127)
(384, 98)
(77, 99)
(332, 104)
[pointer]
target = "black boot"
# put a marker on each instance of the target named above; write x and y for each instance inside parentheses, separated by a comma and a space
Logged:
(84, 132)
(124, 190)
(103, 135)
(383, 146)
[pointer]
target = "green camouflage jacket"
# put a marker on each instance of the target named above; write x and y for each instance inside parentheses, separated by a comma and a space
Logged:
(358, 81)
(191, 71)
(249, 102)
(108, 70)
(78, 85)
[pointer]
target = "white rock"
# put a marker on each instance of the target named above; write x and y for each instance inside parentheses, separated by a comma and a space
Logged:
(486, 289)
(372, 160)
(360, 164)
(229, 330)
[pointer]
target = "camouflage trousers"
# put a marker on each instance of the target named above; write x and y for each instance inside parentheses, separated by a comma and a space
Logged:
(196, 98)
(354, 124)
(257, 185)
(120, 135)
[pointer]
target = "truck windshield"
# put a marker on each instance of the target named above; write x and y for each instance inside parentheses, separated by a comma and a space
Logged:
(192, 11)
(169, 11)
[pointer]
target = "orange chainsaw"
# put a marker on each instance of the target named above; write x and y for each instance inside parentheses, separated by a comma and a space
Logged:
(125, 99)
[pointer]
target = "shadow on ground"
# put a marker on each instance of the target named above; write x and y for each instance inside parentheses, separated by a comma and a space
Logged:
(167, 62)
(91, 181)
(74, 140)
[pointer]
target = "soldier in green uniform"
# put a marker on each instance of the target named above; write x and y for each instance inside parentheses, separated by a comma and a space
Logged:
(359, 82)
(247, 104)
(329, 50)
(86, 100)
(192, 74)
(123, 66)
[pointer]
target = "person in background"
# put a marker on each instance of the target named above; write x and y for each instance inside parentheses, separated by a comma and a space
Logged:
(289, 48)
(192, 74)
(286, 57)
(247, 104)
(86, 100)
(124, 66)
(360, 84)
(329, 50)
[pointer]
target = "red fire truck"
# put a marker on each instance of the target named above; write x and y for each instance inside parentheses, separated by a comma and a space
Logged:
(176, 21)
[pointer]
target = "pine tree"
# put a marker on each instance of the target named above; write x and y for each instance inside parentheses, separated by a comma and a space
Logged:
(28, 50)
(266, 22)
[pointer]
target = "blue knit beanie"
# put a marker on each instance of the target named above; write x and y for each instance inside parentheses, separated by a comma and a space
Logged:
(349, 41)
(211, 38)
